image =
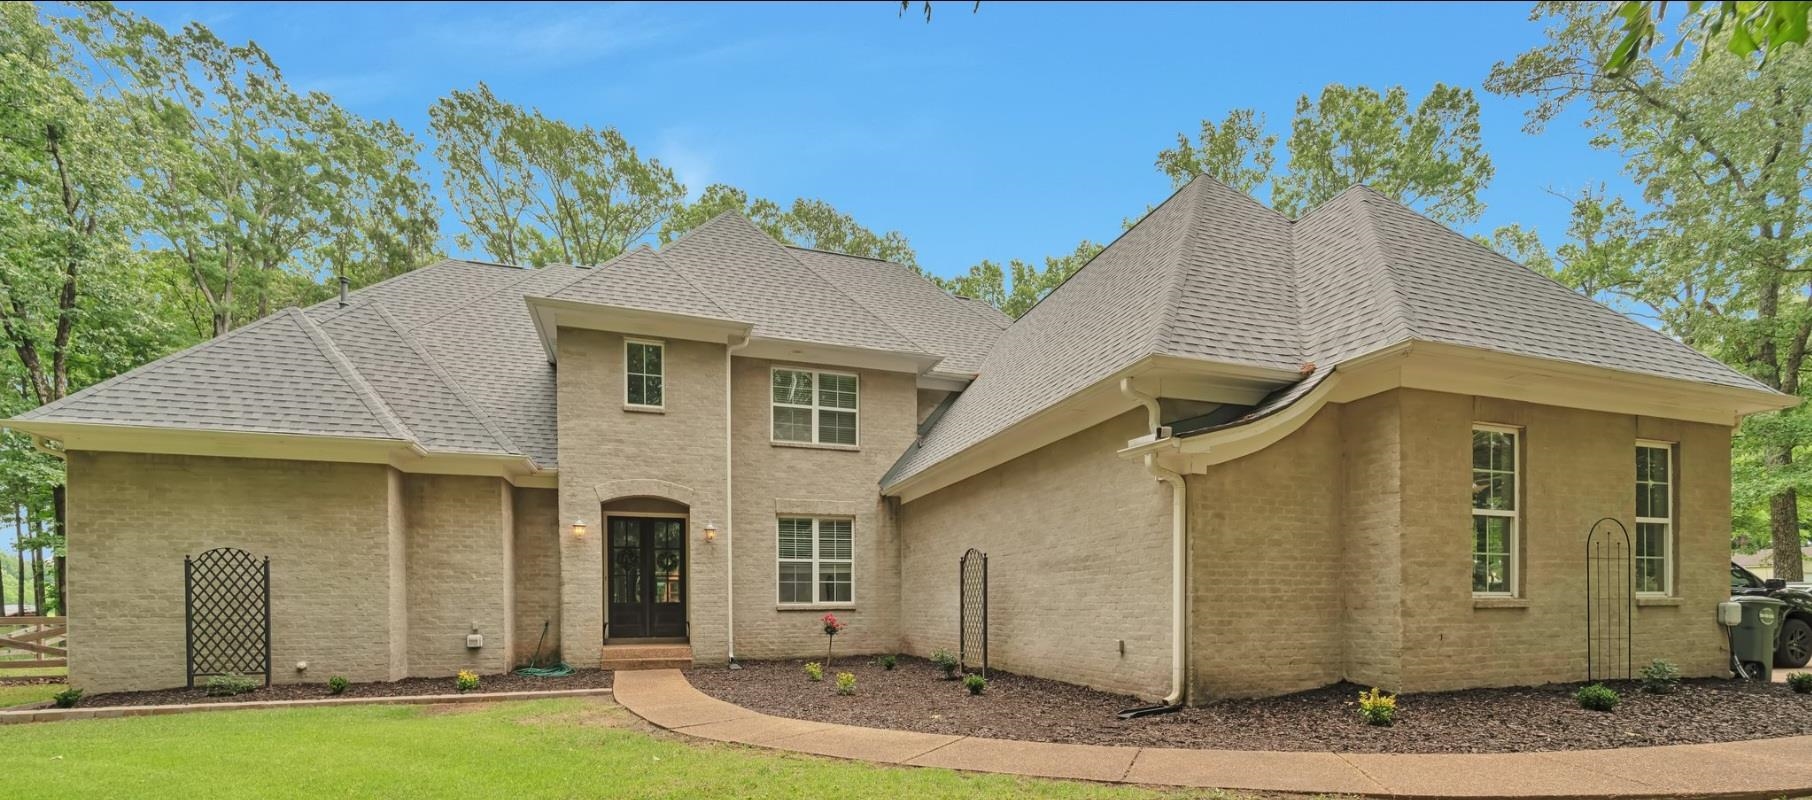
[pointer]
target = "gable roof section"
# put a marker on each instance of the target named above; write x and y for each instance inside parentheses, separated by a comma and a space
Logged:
(933, 320)
(1213, 276)
(640, 279)
(281, 374)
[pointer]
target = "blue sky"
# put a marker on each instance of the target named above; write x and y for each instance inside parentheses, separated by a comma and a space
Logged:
(1012, 132)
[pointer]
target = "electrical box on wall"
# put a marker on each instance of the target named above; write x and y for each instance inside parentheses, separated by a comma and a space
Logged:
(1730, 614)
(474, 641)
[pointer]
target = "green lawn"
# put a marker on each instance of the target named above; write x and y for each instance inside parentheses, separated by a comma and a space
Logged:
(18, 695)
(574, 748)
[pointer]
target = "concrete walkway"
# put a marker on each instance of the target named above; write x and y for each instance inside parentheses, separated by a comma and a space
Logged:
(1768, 768)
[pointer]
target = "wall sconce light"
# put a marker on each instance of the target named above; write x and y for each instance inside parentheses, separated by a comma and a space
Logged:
(710, 532)
(578, 529)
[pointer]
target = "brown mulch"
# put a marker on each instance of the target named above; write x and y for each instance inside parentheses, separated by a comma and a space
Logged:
(315, 690)
(915, 697)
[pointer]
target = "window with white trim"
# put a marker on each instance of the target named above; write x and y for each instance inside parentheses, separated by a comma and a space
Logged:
(814, 407)
(643, 366)
(1654, 517)
(817, 560)
(1496, 514)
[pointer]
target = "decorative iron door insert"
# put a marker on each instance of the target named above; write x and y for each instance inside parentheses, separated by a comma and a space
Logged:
(647, 572)
(227, 613)
(1610, 601)
(972, 616)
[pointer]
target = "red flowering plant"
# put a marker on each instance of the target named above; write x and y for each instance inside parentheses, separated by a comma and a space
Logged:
(831, 626)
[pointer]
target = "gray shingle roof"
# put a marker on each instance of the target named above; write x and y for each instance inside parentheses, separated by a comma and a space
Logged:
(1210, 274)
(641, 279)
(962, 330)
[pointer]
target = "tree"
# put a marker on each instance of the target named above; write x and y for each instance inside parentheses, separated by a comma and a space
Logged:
(1746, 28)
(1429, 157)
(1028, 282)
(533, 190)
(810, 223)
(1720, 146)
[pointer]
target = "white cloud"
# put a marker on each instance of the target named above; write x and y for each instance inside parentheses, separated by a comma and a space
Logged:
(546, 35)
(692, 164)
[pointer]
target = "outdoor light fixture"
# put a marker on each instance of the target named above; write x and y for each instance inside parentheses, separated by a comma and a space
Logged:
(578, 529)
(710, 532)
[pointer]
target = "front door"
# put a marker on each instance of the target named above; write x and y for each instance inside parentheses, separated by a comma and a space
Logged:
(647, 577)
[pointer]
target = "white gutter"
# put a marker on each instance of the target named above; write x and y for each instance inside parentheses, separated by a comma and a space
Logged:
(729, 502)
(1179, 551)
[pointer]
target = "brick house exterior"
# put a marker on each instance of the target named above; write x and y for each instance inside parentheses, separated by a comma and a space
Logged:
(1376, 446)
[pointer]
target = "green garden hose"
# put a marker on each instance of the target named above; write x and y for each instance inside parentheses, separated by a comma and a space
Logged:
(559, 670)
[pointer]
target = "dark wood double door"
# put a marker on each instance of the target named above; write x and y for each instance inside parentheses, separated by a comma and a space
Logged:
(647, 569)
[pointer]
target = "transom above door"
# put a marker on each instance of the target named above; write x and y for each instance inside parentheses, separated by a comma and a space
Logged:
(646, 565)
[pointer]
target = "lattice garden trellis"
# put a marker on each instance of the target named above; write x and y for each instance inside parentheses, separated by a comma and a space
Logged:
(972, 614)
(227, 608)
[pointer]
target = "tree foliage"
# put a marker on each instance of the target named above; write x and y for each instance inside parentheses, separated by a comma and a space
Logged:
(534, 190)
(1719, 250)
(1430, 156)
(1746, 28)
(808, 222)
(1021, 284)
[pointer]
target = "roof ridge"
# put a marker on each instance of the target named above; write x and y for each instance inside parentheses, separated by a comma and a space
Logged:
(452, 384)
(1104, 248)
(1179, 273)
(840, 290)
(918, 272)
(361, 387)
(689, 281)
(422, 270)
(1366, 232)
(140, 371)
(475, 299)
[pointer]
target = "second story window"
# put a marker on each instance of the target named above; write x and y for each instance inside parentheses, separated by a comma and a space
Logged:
(643, 365)
(814, 407)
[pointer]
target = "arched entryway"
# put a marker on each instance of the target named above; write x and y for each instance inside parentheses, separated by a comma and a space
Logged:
(645, 576)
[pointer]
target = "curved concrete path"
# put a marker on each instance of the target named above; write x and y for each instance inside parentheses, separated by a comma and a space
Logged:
(1768, 768)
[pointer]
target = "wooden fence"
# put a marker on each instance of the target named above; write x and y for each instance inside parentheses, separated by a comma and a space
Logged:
(33, 643)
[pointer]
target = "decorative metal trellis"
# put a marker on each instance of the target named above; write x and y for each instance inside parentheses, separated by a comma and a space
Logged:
(227, 608)
(972, 616)
(1610, 600)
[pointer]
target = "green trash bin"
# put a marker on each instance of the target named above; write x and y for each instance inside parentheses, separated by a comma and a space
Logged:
(1752, 640)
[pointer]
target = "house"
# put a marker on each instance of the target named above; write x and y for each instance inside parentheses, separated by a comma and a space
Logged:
(1235, 454)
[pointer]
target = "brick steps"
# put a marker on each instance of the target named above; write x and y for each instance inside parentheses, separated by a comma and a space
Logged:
(623, 657)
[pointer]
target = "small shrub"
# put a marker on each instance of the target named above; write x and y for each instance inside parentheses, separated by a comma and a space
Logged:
(230, 684)
(336, 685)
(466, 680)
(846, 683)
(1377, 707)
(66, 698)
(1660, 677)
(831, 628)
(976, 684)
(1598, 697)
(1801, 682)
(946, 661)
(888, 662)
(814, 671)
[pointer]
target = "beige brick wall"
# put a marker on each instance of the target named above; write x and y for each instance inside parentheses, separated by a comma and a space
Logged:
(601, 443)
(1078, 543)
(537, 560)
(774, 479)
(1266, 563)
(460, 573)
(327, 529)
(1371, 575)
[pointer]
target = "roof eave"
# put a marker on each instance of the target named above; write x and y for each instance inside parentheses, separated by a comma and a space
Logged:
(550, 314)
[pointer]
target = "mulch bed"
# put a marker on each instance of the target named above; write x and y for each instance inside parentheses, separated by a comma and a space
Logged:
(316, 690)
(915, 697)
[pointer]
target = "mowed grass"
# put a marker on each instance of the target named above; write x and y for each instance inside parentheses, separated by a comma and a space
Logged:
(20, 694)
(571, 748)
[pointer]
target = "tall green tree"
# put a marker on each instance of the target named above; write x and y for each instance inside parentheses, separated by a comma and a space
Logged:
(534, 190)
(1429, 156)
(1018, 286)
(1721, 146)
(808, 222)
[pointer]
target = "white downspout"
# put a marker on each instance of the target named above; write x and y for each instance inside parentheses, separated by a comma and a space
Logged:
(729, 502)
(1179, 550)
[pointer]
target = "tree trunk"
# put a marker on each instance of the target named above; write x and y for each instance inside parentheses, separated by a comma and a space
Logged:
(19, 544)
(1783, 520)
(59, 507)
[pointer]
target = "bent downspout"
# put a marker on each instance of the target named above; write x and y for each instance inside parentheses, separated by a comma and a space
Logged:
(1179, 567)
(730, 505)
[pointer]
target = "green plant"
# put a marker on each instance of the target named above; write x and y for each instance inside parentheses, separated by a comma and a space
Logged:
(946, 661)
(66, 698)
(1801, 682)
(831, 628)
(1660, 677)
(336, 685)
(846, 683)
(466, 680)
(888, 662)
(230, 684)
(1377, 707)
(976, 684)
(814, 671)
(1597, 697)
